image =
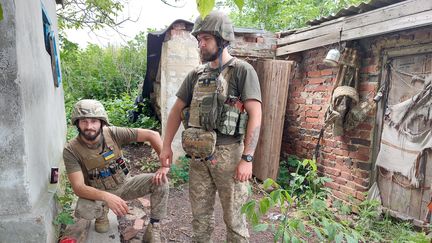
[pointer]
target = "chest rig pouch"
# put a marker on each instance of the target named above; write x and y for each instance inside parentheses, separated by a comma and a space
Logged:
(210, 110)
(105, 169)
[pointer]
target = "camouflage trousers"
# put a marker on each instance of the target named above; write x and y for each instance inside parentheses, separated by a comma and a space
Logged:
(205, 180)
(134, 187)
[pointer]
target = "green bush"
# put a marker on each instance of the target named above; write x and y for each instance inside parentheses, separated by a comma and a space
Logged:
(179, 173)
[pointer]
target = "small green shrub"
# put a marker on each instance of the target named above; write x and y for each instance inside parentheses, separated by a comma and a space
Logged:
(179, 173)
(65, 198)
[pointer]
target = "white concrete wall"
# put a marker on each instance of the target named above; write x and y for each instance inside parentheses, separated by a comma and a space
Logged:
(32, 124)
(179, 56)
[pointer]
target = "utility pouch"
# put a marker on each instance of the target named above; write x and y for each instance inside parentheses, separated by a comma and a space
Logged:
(228, 120)
(198, 142)
(242, 123)
(109, 183)
(97, 183)
(117, 174)
(210, 110)
(185, 117)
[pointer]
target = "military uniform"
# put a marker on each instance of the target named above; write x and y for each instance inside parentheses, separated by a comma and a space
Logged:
(78, 156)
(207, 177)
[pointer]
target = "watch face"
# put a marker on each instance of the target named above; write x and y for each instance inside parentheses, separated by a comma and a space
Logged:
(247, 157)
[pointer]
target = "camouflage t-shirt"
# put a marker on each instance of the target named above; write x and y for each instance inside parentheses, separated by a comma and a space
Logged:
(243, 83)
(120, 135)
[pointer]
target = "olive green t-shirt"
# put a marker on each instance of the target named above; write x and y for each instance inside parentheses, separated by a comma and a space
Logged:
(243, 83)
(120, 135)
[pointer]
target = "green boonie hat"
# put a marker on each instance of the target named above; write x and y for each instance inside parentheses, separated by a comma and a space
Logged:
(89, 109)
(215, 23)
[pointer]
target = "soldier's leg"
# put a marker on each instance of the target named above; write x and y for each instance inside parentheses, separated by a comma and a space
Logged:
(141, 185)
(202, 191)
(89, 209)
(233, 194)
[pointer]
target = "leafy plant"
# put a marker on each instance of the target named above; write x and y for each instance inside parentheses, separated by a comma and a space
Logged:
(179, 173)
(65, 198)
(150, 166)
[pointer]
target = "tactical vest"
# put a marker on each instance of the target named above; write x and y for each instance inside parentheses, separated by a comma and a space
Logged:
(101, 168)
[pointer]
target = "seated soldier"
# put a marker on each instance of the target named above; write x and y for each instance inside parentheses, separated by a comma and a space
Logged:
(98, 172)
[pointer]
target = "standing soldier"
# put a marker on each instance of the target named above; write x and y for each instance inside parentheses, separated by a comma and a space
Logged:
(98, 172)
(219, 103)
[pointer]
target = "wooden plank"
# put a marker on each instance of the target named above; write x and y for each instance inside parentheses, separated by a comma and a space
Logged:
(309, 44)
(397, 17)
(406, 22)
(392, 12)
(406, 51)
(310, 33)
(274, 78)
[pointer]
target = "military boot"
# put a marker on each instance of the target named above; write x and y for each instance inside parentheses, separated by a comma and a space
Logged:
(152, 234)
(102, 223)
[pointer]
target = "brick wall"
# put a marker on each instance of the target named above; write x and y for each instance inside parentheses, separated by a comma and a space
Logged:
(346, 159)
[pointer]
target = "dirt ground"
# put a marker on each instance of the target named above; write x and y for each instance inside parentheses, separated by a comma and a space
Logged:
(177, 226)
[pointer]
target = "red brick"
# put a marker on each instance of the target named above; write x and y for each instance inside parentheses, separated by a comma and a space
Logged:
(361, 181)
(359, 156)
(369, 69)
(341, 152)
(314, 74)
(312, 120)
(316, 80)
(367, 87)
(316, 107)
(365, 126)
(332, 171)
(347, 190)
(326, 72)
(346, 175)
(340, 195)
(361, 173)
(313, 114)
(318, 88)
(340, 181)
(332, 185)
(299, 100)
(360, 195)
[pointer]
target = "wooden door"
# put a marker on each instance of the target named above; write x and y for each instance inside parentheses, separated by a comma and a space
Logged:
(274, 78)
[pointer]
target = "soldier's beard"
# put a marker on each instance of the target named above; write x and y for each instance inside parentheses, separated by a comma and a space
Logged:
(90, 134)
(207, 56)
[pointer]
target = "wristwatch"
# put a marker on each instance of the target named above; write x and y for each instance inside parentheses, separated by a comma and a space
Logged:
(247, 157)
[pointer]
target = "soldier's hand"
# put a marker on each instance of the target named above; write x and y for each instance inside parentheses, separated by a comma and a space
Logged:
(116, 204)
(165, 157)
(160, 177)
(243, 171)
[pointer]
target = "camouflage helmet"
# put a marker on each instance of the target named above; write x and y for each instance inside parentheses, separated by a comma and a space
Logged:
(89, 109)
(215, 23)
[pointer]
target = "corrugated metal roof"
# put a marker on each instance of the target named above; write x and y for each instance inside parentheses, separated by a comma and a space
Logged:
(353, 10)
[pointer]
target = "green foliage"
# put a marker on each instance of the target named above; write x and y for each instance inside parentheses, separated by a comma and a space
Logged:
(301, 178)
(179, 173)
(65, 197)
(149, 166)
(1, 12)
(110, 75)
(93, 14)
(299, 212)
(285, 14)
(102, 73)
(118, 112)
(205, 7)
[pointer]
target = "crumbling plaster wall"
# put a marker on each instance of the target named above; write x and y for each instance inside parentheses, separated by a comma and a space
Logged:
(32, 124)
